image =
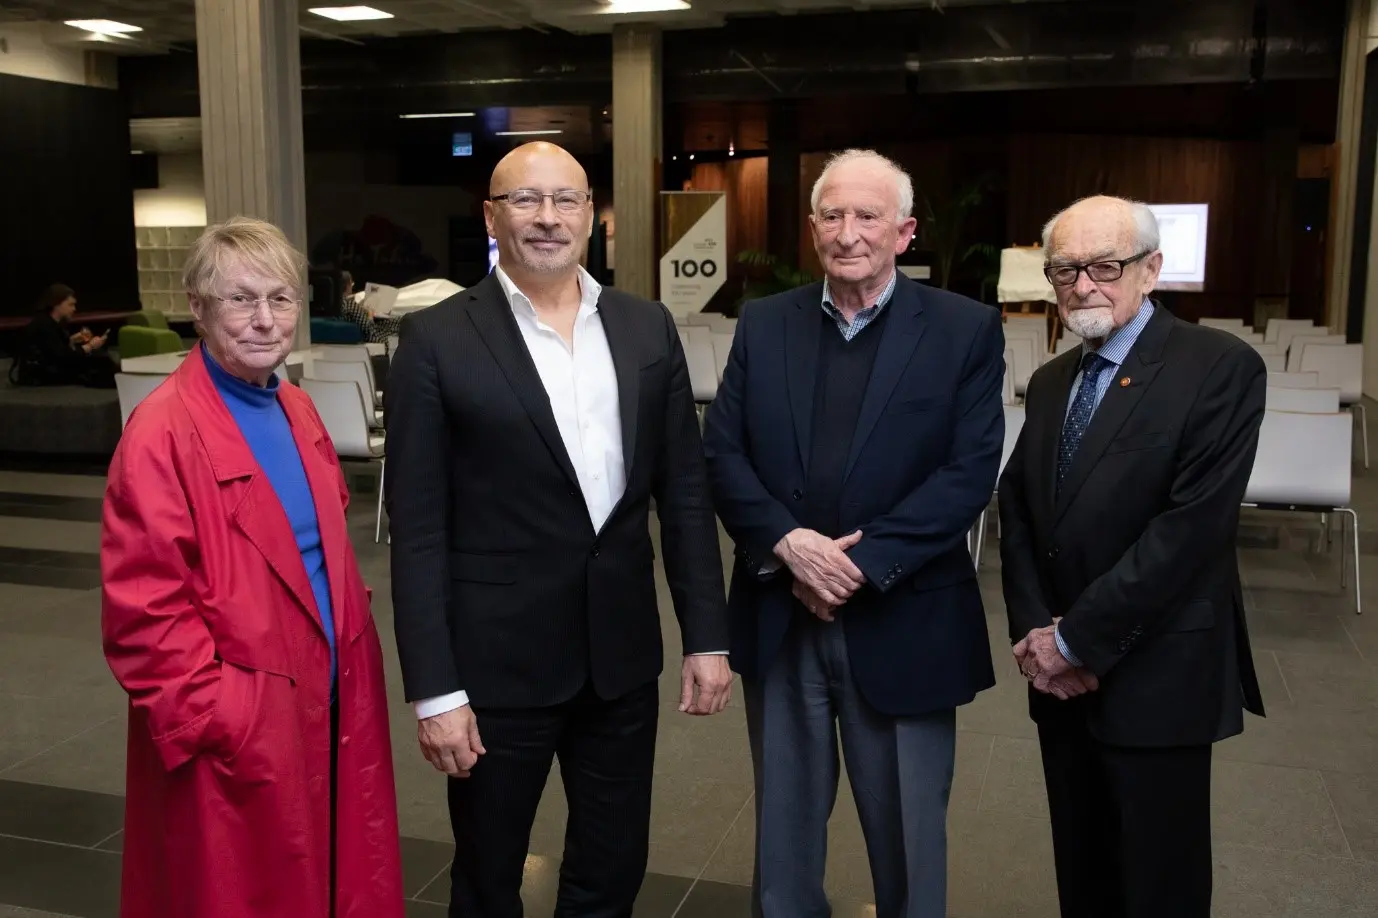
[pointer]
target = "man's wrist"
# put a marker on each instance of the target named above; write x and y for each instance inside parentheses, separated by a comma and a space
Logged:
(440, 704)
(1063, 649)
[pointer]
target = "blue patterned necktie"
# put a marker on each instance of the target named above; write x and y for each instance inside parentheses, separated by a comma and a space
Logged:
(1079, 415)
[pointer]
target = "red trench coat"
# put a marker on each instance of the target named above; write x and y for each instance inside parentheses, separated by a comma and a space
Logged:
(210, 625)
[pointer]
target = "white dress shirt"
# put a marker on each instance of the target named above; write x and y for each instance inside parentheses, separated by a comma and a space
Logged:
(581, 383)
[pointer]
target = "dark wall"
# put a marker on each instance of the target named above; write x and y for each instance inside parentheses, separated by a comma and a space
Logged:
(68, 212)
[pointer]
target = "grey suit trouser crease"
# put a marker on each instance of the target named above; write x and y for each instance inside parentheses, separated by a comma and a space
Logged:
(900, 770)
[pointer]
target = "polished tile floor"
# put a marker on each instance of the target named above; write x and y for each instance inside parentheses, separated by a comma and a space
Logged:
(1296, 797)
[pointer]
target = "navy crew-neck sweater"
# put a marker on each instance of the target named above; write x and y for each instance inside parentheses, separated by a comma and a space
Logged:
(264, 426)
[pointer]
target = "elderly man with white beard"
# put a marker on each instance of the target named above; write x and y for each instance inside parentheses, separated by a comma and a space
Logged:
(1119, 508)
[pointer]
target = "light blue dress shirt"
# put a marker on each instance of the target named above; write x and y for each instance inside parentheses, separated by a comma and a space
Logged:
(1115, 350)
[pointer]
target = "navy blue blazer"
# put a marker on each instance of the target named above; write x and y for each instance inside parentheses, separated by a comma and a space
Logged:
(921, 469)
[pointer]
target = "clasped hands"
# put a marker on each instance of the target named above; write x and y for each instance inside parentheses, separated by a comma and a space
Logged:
(824, 577)
(1048, 670)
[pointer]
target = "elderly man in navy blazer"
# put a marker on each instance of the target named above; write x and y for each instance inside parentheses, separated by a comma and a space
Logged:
(854, 441)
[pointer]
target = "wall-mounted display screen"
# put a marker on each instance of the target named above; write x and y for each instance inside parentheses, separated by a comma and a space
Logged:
(1182, 231)
(462, 144)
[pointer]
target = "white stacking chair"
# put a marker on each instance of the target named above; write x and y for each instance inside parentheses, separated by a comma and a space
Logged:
(392, 342)
(703, 319)
(1223, 324)
(1024, 351)
(1341, 366)
(1289, 335)
(701, 334)
(1303, 466)
(722, 347)
(1066, 344)
(1275, 363)
(1268, 350)
(1244, 333)
(348, 371)
(345, 413)
(1304, 401)
(1294, 380)
(1014, 423)
(1275, 326)
(351, 353)
(721, 324)
(133, 388)
(1299, 346)
(703, 372)
(1007, 394)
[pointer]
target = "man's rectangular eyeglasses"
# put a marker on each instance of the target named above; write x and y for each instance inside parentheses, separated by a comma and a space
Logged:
(245, 305)
(1100, 272)
(567, 201)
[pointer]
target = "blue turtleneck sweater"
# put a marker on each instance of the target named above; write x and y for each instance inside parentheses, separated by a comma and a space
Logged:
(264, 426)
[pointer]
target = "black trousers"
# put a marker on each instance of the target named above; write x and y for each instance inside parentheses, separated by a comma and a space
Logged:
(607, 756)
(1131, 827)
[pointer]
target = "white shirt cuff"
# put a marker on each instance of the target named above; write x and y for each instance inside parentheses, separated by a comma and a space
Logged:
(443, 704)
(1066, 651)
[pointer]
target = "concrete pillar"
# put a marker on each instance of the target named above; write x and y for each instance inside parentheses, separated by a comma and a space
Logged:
(636, 155)
(1357, 43)
(248, 52)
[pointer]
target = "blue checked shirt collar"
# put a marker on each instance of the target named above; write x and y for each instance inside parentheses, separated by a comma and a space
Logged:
(1121, 341)
(863, 318)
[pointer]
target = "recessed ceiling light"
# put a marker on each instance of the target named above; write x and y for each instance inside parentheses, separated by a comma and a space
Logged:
(103, 26)
(643, 6)
(523, 133)
(415, 115)
(350, 13)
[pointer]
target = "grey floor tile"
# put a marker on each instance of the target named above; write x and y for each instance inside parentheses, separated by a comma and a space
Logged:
(34, 575)
(1339, 685)
(52, 535)
(1264, 806)
(426, 910)
(423, 861)
(57, 878)
(702, 779)
(49, 507)
(1316, 738)
(49, 612)
(1292, 632)
(113, 843)
(93, 761)
(1256, 883)
(14, 911)
(1014, 781)
(66, 485)
(61, 815)
(31, 726)
(1001, 867)
(1355, 798)
(59, 667)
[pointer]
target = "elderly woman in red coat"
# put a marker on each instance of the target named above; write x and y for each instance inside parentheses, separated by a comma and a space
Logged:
(260, 772)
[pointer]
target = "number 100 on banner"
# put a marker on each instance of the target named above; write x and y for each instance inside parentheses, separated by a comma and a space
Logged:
(694, 229)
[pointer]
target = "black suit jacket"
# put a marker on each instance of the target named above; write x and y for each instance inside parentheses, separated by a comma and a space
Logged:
(500, 585)
(922, 465)
(1137, 552)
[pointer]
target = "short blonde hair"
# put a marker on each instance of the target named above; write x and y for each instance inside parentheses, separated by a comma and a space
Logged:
(257, 242)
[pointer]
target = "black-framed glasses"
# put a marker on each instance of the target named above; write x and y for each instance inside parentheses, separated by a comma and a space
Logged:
(566, 200)
(1100, 272)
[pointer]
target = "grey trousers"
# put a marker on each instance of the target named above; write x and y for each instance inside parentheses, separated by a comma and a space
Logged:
(900, 771)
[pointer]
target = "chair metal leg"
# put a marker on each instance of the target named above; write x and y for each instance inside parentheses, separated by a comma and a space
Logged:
(1363, 426)
(378, 520)
(981, 536)
(1358, 593)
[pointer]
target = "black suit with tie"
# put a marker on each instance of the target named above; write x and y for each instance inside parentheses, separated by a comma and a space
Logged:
(1135, 552)
(503, 589)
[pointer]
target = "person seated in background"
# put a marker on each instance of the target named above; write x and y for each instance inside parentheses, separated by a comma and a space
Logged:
(54, 355)
(376, 329)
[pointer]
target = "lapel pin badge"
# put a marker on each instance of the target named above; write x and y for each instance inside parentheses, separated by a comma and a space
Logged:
(1125, 382)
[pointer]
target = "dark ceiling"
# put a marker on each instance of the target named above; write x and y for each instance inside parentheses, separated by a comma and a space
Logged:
(962, 49)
